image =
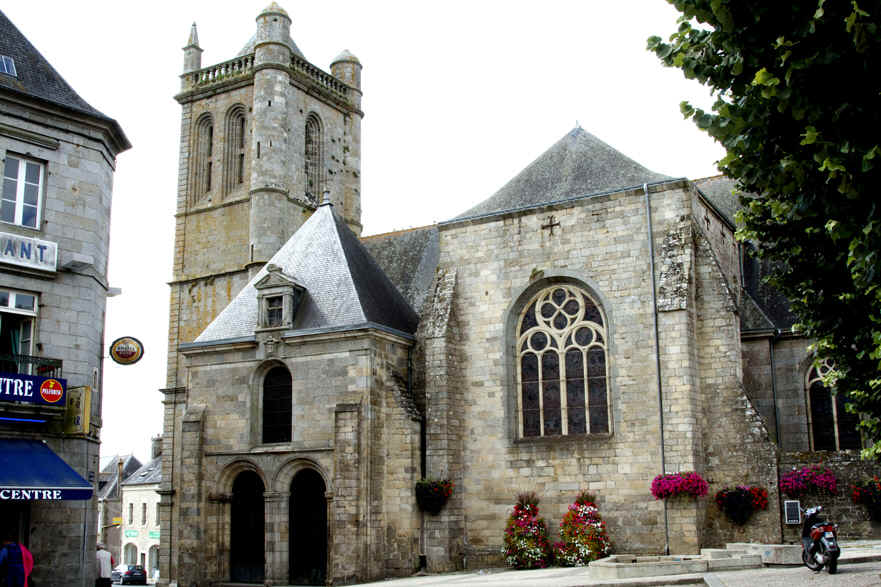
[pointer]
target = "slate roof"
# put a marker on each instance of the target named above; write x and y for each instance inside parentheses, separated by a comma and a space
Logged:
(38, 79)
(579, 164)
(409, 258)
(722, 193)
(146, 475)
(345, 287)
(108, 477)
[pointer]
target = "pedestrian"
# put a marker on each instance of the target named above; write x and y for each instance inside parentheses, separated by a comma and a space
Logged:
(104, 566)
(11, 563)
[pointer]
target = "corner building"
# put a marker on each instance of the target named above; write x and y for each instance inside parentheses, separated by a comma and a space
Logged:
(57, 157)
(590, 325)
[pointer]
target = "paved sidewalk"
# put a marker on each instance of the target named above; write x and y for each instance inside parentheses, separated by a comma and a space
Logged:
(859, 566)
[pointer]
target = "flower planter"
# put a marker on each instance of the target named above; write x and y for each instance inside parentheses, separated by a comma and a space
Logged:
(432, 495)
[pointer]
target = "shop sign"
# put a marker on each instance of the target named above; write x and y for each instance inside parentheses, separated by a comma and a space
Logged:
(32, 389)
(154, 534)
(28, 252)
(27, 494)
(117, 521)
(131, 533)
(126, 350)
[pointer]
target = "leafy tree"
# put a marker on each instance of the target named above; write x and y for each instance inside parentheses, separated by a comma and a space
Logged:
(798, 108)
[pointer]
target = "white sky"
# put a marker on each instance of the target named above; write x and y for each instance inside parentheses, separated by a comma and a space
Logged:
(458, 98)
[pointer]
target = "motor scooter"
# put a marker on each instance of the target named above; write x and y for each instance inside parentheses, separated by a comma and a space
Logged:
(819, 540)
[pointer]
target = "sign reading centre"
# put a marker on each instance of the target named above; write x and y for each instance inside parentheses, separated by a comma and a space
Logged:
(45, 391)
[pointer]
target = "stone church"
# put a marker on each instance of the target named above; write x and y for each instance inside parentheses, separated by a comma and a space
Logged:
(590, 325)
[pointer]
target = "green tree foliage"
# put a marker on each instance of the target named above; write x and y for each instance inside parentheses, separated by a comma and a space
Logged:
(798, 108)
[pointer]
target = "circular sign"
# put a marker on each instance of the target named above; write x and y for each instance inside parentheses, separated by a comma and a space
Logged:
(126, 350)
(51, 391)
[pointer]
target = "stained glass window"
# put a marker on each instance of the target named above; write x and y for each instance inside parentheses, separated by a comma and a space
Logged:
(562, 368)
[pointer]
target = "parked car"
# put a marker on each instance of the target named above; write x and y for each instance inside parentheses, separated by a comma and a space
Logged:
(129, 575)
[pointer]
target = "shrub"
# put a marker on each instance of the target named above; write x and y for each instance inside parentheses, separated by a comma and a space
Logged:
(741, 502)
(868, 493)
(432, 494)
(583, 533)
(526, 536)
(688, 483)
(812, 479)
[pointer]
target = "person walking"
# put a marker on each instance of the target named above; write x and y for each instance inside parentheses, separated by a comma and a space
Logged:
(11, 564)
(104, 566)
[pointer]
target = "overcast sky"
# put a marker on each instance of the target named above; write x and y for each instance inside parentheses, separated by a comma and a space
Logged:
(458, 97)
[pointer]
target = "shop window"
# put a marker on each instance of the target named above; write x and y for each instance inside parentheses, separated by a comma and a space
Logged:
(23, 181)
(832, 426)
(562, 373)
(17, 312)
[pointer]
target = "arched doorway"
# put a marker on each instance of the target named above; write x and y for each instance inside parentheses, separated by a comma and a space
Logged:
(246, 556)
(308, 524)
(130, 554)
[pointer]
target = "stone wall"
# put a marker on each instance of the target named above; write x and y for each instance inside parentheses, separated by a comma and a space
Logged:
(737, 445)
(853, 521)
(602, 243)
(354, 421)
(79, 155)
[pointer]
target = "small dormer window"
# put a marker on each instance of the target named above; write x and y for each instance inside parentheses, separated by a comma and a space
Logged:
(274, 311)
(278, 299)
(7, 66)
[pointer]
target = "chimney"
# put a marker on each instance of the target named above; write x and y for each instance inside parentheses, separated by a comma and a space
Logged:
(156, 446)
(118, 476)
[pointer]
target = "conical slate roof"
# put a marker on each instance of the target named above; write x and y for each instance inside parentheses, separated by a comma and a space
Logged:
(579, 164)
(344, 286)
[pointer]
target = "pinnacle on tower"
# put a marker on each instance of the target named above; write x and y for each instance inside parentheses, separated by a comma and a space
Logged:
(192, 52)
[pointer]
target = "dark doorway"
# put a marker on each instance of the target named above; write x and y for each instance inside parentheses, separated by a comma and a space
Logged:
(308, 522)
(246, 559)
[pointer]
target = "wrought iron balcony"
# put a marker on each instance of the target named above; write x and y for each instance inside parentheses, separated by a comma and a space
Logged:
(30, 365)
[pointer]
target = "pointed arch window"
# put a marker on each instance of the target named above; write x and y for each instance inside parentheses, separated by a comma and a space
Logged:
(832, 426)
(277, 407)
(234, 149)
(313, 159)
(204, 151)
(562, 367)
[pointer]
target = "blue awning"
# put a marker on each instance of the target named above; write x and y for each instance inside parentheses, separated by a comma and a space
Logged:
(30, 471)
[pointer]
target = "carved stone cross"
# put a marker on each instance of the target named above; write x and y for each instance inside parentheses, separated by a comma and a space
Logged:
(552, 222)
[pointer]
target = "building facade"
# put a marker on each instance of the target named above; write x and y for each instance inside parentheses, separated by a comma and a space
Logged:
(589, 326)
(117, 470)
(139, 531)
(58, 158)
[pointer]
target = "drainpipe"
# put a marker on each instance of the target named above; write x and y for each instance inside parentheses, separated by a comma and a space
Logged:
(648, 218)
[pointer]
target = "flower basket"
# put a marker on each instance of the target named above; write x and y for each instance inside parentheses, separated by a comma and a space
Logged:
(526, 536)
(583, 532)
(813, 479)
(688, 484)
(741, 502)
(432, 494)
(868, 493)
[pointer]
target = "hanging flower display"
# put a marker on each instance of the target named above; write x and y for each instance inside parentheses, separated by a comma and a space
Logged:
(868, 493)
(812, 479)
(432, 494)
(688, 483)
(583, 533)
(741, 502)
(526, 536)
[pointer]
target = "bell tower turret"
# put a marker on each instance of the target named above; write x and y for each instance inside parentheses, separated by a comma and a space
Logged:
(270, 226)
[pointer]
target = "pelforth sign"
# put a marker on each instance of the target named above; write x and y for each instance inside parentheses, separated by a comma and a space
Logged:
(46, 391)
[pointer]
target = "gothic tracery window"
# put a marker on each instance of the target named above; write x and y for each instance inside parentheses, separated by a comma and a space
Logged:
(313, 159)
(234, 149)
(832, 426)
(562, 376)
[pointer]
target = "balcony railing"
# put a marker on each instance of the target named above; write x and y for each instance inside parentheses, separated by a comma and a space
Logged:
(30, 365)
